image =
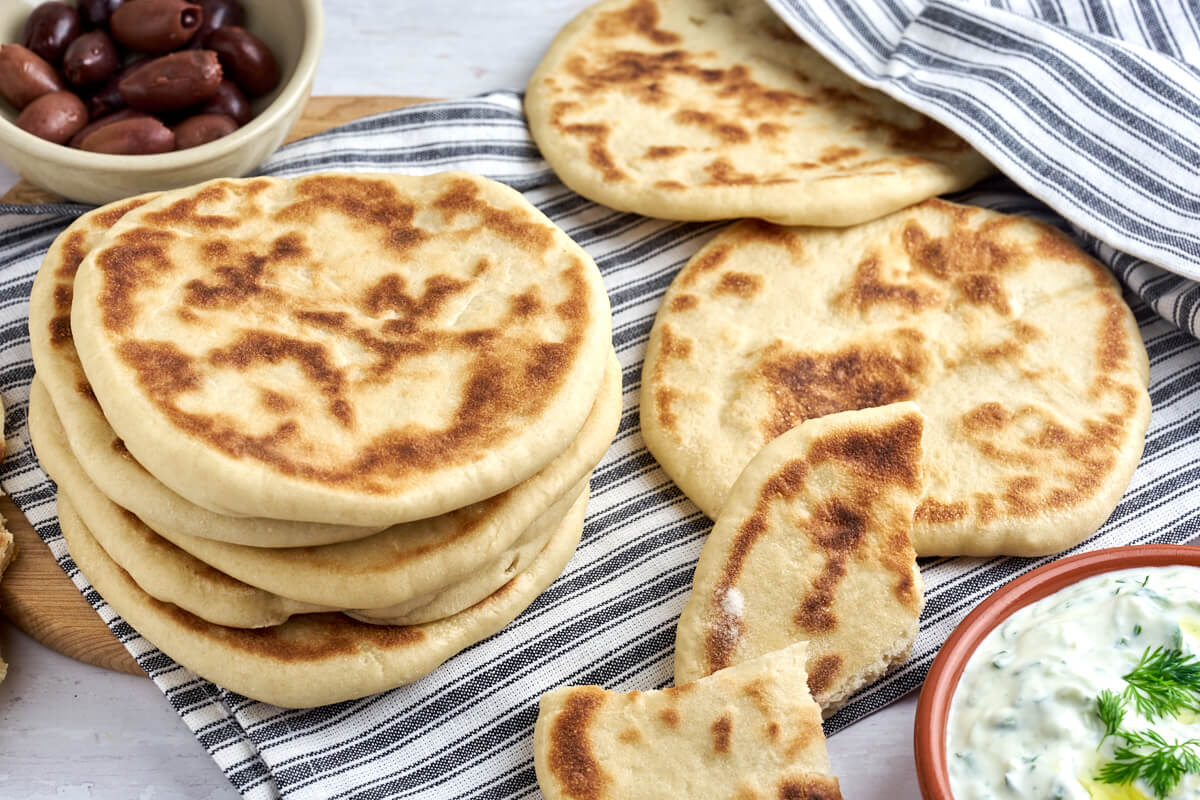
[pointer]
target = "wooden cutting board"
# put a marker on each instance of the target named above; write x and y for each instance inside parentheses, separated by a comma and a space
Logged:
(35, 594)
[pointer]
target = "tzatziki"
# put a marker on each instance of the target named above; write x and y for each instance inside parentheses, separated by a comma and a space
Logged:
(1044, 707)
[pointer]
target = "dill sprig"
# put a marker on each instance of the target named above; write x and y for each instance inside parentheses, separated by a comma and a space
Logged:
(1147, 755)
(1164, 682)
(1110, 707)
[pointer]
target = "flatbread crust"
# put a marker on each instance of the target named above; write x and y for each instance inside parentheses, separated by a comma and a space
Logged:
(814, 545)
(99, 449)
(416, 559)
(312, 659)
(349, 349)
(748, 731)
(714, 109)
(1016, 345)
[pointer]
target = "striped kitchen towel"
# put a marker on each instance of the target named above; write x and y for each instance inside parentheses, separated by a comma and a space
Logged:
(464, 731)
(1092, 106)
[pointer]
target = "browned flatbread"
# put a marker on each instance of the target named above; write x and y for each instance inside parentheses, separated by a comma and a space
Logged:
(750, 731)
(714, 109)
(814, 544)
(1015, 344)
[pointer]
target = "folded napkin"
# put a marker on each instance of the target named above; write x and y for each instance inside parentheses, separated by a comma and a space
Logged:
(465, 731)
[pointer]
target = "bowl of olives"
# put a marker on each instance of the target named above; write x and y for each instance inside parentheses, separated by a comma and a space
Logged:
(104, 99)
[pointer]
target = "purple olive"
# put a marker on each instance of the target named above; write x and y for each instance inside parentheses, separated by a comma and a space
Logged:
(131, 137)
(94, 125)
(202, 129)
(246, 59)
(55, 117)
(95, 13)
(25, 76)
(172, 82)
(229, 100)
(218, 14)
(50, 28)
(91, 58)
(156, 26)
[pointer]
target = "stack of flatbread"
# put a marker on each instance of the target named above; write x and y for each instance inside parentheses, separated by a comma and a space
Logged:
(312, 437)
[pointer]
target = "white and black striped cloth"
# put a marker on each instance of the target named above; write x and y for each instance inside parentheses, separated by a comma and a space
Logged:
(464, 731)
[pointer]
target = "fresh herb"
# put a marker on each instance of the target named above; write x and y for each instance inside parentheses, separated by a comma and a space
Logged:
(1147, 755)
(1164, 683)
(1110, 707)
(1137, 630)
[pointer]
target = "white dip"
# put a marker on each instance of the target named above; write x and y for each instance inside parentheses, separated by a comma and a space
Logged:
(1023, 721)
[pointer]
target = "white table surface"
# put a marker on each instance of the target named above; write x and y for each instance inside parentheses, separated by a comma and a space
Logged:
(69, 730)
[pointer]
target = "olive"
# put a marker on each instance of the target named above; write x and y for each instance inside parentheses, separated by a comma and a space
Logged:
(91, 58)
(245, 58)
(171, 82)
(127, 113)
(156, 26)
(131, 137)
(25, 76)
(55, 117)
(95, 13)
(218, 14)
(50, 28)
(230, 101)
(202, 129)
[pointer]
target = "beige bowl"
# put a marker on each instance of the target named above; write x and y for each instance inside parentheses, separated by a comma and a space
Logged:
(293, 30)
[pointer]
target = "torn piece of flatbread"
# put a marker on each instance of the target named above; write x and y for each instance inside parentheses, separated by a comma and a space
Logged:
(749, 731)
(814, 544)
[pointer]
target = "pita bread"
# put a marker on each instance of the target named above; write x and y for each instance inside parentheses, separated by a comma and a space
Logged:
(469, 591)
(714, 109)
(350, 349)
(416, 559)
(1015, 344)
(100, 451)
(814, 545)
(160, 568)
(312, 659)
(749, 731)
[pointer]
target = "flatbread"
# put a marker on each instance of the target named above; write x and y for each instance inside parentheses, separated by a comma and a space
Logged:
(485, 580)
(814, 545)
(750, 731)
(416, 559)
(312, 659)
(100, 451)
(160, 568)
(1015, 344)
(714, 109)
(349, 349)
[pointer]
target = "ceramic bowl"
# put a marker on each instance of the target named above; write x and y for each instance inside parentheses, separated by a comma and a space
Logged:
(293, 29)
(933, 708)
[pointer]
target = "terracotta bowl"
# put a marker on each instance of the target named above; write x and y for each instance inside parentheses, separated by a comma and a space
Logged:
(933, 708)
(293, 29)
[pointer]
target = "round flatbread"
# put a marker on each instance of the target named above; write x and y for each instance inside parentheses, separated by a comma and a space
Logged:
(814, 544)
(714, 109)
(490, 577)
(349, 349)
(1014, 343)
(312, 659)
(160, 568)
(414, 560)
(99, 450)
